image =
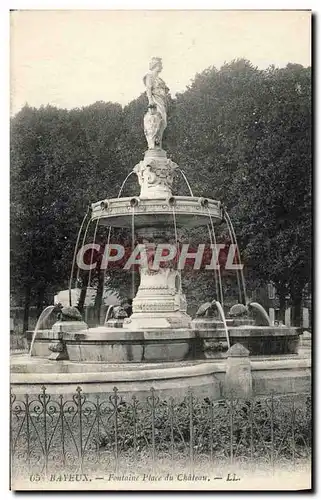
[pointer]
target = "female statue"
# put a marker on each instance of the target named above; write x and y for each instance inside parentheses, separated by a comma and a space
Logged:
(155, 120)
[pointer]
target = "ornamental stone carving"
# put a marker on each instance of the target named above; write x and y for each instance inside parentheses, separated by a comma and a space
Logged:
(213, 348)
(58, 350)
(155, 175)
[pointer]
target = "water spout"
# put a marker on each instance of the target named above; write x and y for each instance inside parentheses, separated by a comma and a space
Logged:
(75, 254)
(234, 241)
(82, 245)
(176, 242)
(110, 308)
(262, 311)
(42, 318)
(239, 289)
(124, 182)
(187, 183)
(222, 314)
(220, 298)
(107, 246)
(92, 257)
(215, 270)
(133, 248)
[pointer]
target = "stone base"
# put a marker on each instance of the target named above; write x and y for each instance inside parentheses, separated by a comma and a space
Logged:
(238, 377)
(155, 321)
(115, 323)
(59, 356)
(69, 326)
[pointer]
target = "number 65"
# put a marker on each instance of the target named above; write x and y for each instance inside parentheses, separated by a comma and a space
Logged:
(34, 477)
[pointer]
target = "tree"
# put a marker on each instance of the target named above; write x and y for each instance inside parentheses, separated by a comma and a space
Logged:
(273, 216)
(210, 141)
(241, 135)
(60, 161)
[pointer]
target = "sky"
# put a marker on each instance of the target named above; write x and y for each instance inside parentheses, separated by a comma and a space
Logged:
(72, 58)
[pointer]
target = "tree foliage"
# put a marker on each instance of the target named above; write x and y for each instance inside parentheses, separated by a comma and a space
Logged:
(241, 135)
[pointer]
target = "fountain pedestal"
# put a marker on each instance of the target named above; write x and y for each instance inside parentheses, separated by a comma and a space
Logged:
(159, 302)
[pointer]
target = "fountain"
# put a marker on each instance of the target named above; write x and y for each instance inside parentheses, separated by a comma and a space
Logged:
(159, 344)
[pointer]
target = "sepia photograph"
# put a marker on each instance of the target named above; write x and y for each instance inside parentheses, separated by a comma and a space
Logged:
(161, 283)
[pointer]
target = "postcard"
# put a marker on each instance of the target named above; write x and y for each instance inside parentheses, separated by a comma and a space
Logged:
(160, 255)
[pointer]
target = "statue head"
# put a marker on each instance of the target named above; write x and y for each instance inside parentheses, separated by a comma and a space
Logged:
(156, 63)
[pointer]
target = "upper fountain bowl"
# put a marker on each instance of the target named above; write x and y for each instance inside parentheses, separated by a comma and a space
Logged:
(189, 211)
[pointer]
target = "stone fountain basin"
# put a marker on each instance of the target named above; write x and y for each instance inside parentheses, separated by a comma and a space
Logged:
(259, 340)
(107, 350)
(117, 345)
(189, 211)
(266, 340)
(281, 374)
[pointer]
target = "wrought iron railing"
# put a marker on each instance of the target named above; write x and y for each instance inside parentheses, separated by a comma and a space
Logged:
(82, 433)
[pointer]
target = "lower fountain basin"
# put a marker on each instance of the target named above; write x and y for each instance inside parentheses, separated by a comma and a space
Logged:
(280, 374)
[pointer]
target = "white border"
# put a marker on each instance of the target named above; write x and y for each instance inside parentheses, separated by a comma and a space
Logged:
(4, 117)
(163, 5)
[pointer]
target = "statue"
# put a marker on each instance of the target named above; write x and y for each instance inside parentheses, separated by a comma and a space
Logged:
(242, 311)
(67, 313)
(238, 311)
(207, 309)
(118, 312)
(155, 120)
(155, 172)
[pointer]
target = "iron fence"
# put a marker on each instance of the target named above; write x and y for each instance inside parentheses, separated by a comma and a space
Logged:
(90, 433)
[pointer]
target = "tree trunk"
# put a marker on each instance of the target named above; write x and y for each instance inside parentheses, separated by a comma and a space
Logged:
(40, 301)
(83, 292)
(26, 309)
(281, 292)
(297, 308)
(99, 295)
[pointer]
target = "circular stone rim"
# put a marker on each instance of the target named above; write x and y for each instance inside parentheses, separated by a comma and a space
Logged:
(118, 212)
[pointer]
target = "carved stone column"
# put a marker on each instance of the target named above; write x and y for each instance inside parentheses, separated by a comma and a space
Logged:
(159, 302)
